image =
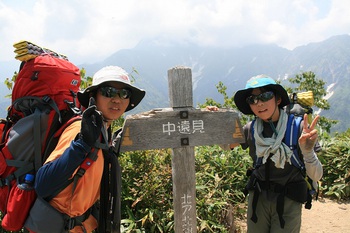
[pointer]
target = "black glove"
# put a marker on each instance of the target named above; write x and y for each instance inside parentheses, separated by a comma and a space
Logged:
(91, 124)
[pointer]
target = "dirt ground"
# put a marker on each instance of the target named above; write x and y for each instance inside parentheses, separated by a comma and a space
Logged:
(325, 216)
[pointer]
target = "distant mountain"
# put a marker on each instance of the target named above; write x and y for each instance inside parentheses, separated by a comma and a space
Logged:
(329, 60)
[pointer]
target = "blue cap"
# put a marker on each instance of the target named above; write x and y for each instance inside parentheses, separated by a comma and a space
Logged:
(258, 82)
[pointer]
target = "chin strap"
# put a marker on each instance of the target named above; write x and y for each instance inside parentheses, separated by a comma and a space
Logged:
(270, 120)
(273, 127)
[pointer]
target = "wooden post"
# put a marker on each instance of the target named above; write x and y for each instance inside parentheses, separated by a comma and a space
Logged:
(181, 127)
(183, 164)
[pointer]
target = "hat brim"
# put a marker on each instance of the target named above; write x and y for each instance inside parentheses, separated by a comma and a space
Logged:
(242, 95)
(137, 95)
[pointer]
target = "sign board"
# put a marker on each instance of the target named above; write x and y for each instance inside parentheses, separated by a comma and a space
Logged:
(169, 128)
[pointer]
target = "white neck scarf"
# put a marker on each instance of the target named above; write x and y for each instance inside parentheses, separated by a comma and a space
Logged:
(274, 145)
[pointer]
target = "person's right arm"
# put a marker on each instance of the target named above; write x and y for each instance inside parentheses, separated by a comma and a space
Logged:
(307, 141)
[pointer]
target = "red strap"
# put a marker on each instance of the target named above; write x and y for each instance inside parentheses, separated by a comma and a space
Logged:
(89, 160)
(64, 126)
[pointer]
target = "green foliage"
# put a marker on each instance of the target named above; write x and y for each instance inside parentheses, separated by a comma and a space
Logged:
(9, 83)
(228, 101)
(220, 183)
(147, 189)
(335, 158)
(86, 81)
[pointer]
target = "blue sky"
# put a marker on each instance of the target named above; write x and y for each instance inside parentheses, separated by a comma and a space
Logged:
(88, 31)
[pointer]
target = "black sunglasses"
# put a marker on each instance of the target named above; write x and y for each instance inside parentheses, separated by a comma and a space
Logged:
(265, 96)
(111, 92)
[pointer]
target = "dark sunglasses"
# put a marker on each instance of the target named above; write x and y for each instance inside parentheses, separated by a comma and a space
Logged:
(111, 92)
(265, 96)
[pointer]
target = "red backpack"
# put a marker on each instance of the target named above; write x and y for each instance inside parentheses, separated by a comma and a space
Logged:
(43, 103)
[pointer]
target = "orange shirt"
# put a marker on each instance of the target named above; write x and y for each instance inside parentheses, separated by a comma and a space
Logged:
(87, 191)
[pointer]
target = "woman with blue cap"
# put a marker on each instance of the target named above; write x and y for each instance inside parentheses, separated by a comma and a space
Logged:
(276, 187)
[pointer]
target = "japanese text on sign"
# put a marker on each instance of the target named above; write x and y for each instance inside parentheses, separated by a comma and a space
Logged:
(184, 127)
(186, 206)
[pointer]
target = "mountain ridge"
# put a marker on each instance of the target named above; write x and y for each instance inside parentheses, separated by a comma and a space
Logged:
(328, 59)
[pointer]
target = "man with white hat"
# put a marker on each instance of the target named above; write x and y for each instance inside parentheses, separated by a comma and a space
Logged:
(107, 99)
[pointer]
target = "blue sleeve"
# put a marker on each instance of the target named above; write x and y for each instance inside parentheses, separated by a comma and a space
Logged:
(53, 176)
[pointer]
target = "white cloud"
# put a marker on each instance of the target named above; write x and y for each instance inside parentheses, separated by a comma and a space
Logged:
(91, 30)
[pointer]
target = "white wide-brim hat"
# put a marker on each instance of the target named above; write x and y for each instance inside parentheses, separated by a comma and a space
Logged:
(112, 74)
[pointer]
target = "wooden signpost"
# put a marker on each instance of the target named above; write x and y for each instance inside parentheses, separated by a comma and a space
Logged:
(181, 127)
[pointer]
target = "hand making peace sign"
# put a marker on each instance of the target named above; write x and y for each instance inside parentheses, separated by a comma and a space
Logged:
(309, 135)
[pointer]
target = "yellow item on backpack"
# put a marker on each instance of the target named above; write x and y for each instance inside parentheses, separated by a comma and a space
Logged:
(26, 50)
(305, 98)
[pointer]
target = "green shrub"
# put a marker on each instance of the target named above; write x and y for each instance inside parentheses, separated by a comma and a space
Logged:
(146, 193)
(220, 181)
(335, 158)
(147, 189)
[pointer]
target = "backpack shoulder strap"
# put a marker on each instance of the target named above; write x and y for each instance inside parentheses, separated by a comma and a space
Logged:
(258, 161)
(52, 141)
(252, 126)
(65, 125)
(291, 138)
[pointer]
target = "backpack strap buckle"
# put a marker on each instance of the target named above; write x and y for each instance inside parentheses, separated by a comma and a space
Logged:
(70, 224)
